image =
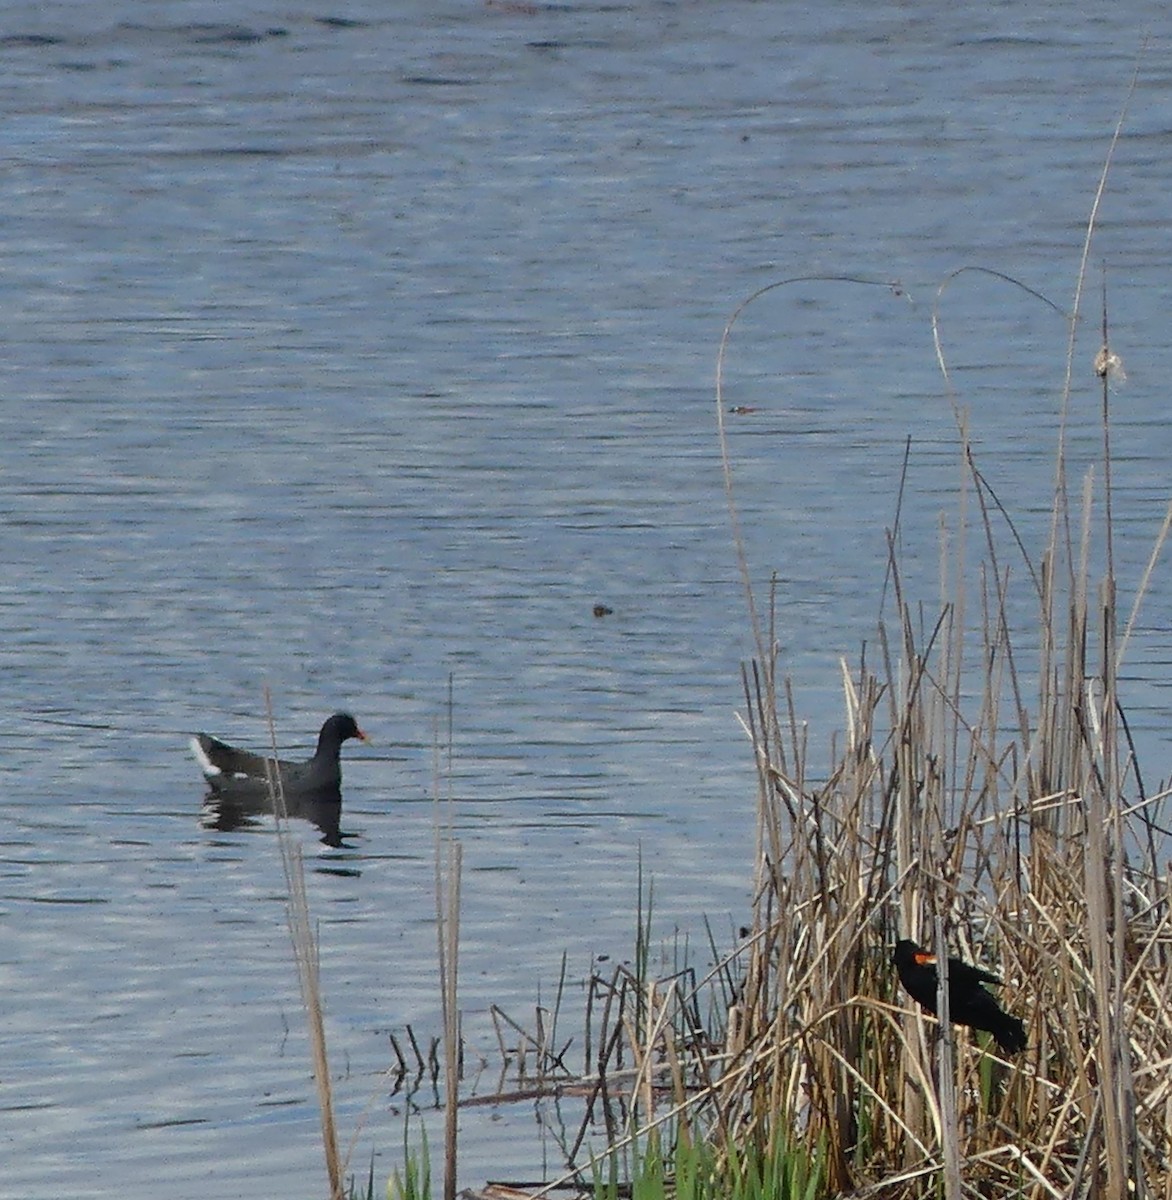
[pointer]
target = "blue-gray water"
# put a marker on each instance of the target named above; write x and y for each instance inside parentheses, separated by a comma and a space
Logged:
(355, 350)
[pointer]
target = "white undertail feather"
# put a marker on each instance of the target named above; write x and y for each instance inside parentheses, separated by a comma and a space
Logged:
(206, 765)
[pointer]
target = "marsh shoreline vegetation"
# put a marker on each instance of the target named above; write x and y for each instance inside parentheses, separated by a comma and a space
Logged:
(983, 797)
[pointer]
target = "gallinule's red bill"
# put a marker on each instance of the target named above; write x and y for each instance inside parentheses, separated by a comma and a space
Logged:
(229, 770)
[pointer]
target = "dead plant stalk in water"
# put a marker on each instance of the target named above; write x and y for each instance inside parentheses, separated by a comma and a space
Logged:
(305, 955)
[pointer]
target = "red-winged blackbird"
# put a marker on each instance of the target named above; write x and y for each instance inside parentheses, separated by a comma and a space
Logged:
(968, 1002)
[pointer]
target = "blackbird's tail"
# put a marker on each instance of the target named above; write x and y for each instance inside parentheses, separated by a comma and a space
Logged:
(1009, 1033)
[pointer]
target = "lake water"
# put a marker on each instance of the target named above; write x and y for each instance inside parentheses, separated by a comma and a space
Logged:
(359, 352)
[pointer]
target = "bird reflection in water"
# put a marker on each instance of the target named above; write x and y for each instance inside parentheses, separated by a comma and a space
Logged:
(228, 812)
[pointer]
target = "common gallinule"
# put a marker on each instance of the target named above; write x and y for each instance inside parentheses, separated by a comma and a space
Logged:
(232, 772)
(968, 1001)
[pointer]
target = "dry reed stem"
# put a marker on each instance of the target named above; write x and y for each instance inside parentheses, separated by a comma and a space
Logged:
(448, 866)
(305, 954)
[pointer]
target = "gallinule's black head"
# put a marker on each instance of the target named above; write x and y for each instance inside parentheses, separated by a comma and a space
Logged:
(339, 728)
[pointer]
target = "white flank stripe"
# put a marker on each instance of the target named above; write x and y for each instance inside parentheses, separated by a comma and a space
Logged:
(206, 765)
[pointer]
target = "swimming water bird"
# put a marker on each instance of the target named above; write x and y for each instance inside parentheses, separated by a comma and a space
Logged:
(968, 1001)
(239, 772)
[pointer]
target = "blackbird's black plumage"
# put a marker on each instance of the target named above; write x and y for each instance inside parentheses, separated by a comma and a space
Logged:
(968, 1001)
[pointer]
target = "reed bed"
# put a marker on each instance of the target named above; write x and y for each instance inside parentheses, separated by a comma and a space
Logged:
(1017, 826)
(983, 795)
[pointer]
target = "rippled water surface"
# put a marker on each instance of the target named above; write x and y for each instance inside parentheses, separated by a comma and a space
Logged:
(360, 352)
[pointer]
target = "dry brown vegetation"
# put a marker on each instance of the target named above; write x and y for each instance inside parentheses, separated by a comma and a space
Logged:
(983, 795)
(1017, 824)
(1011, 818)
